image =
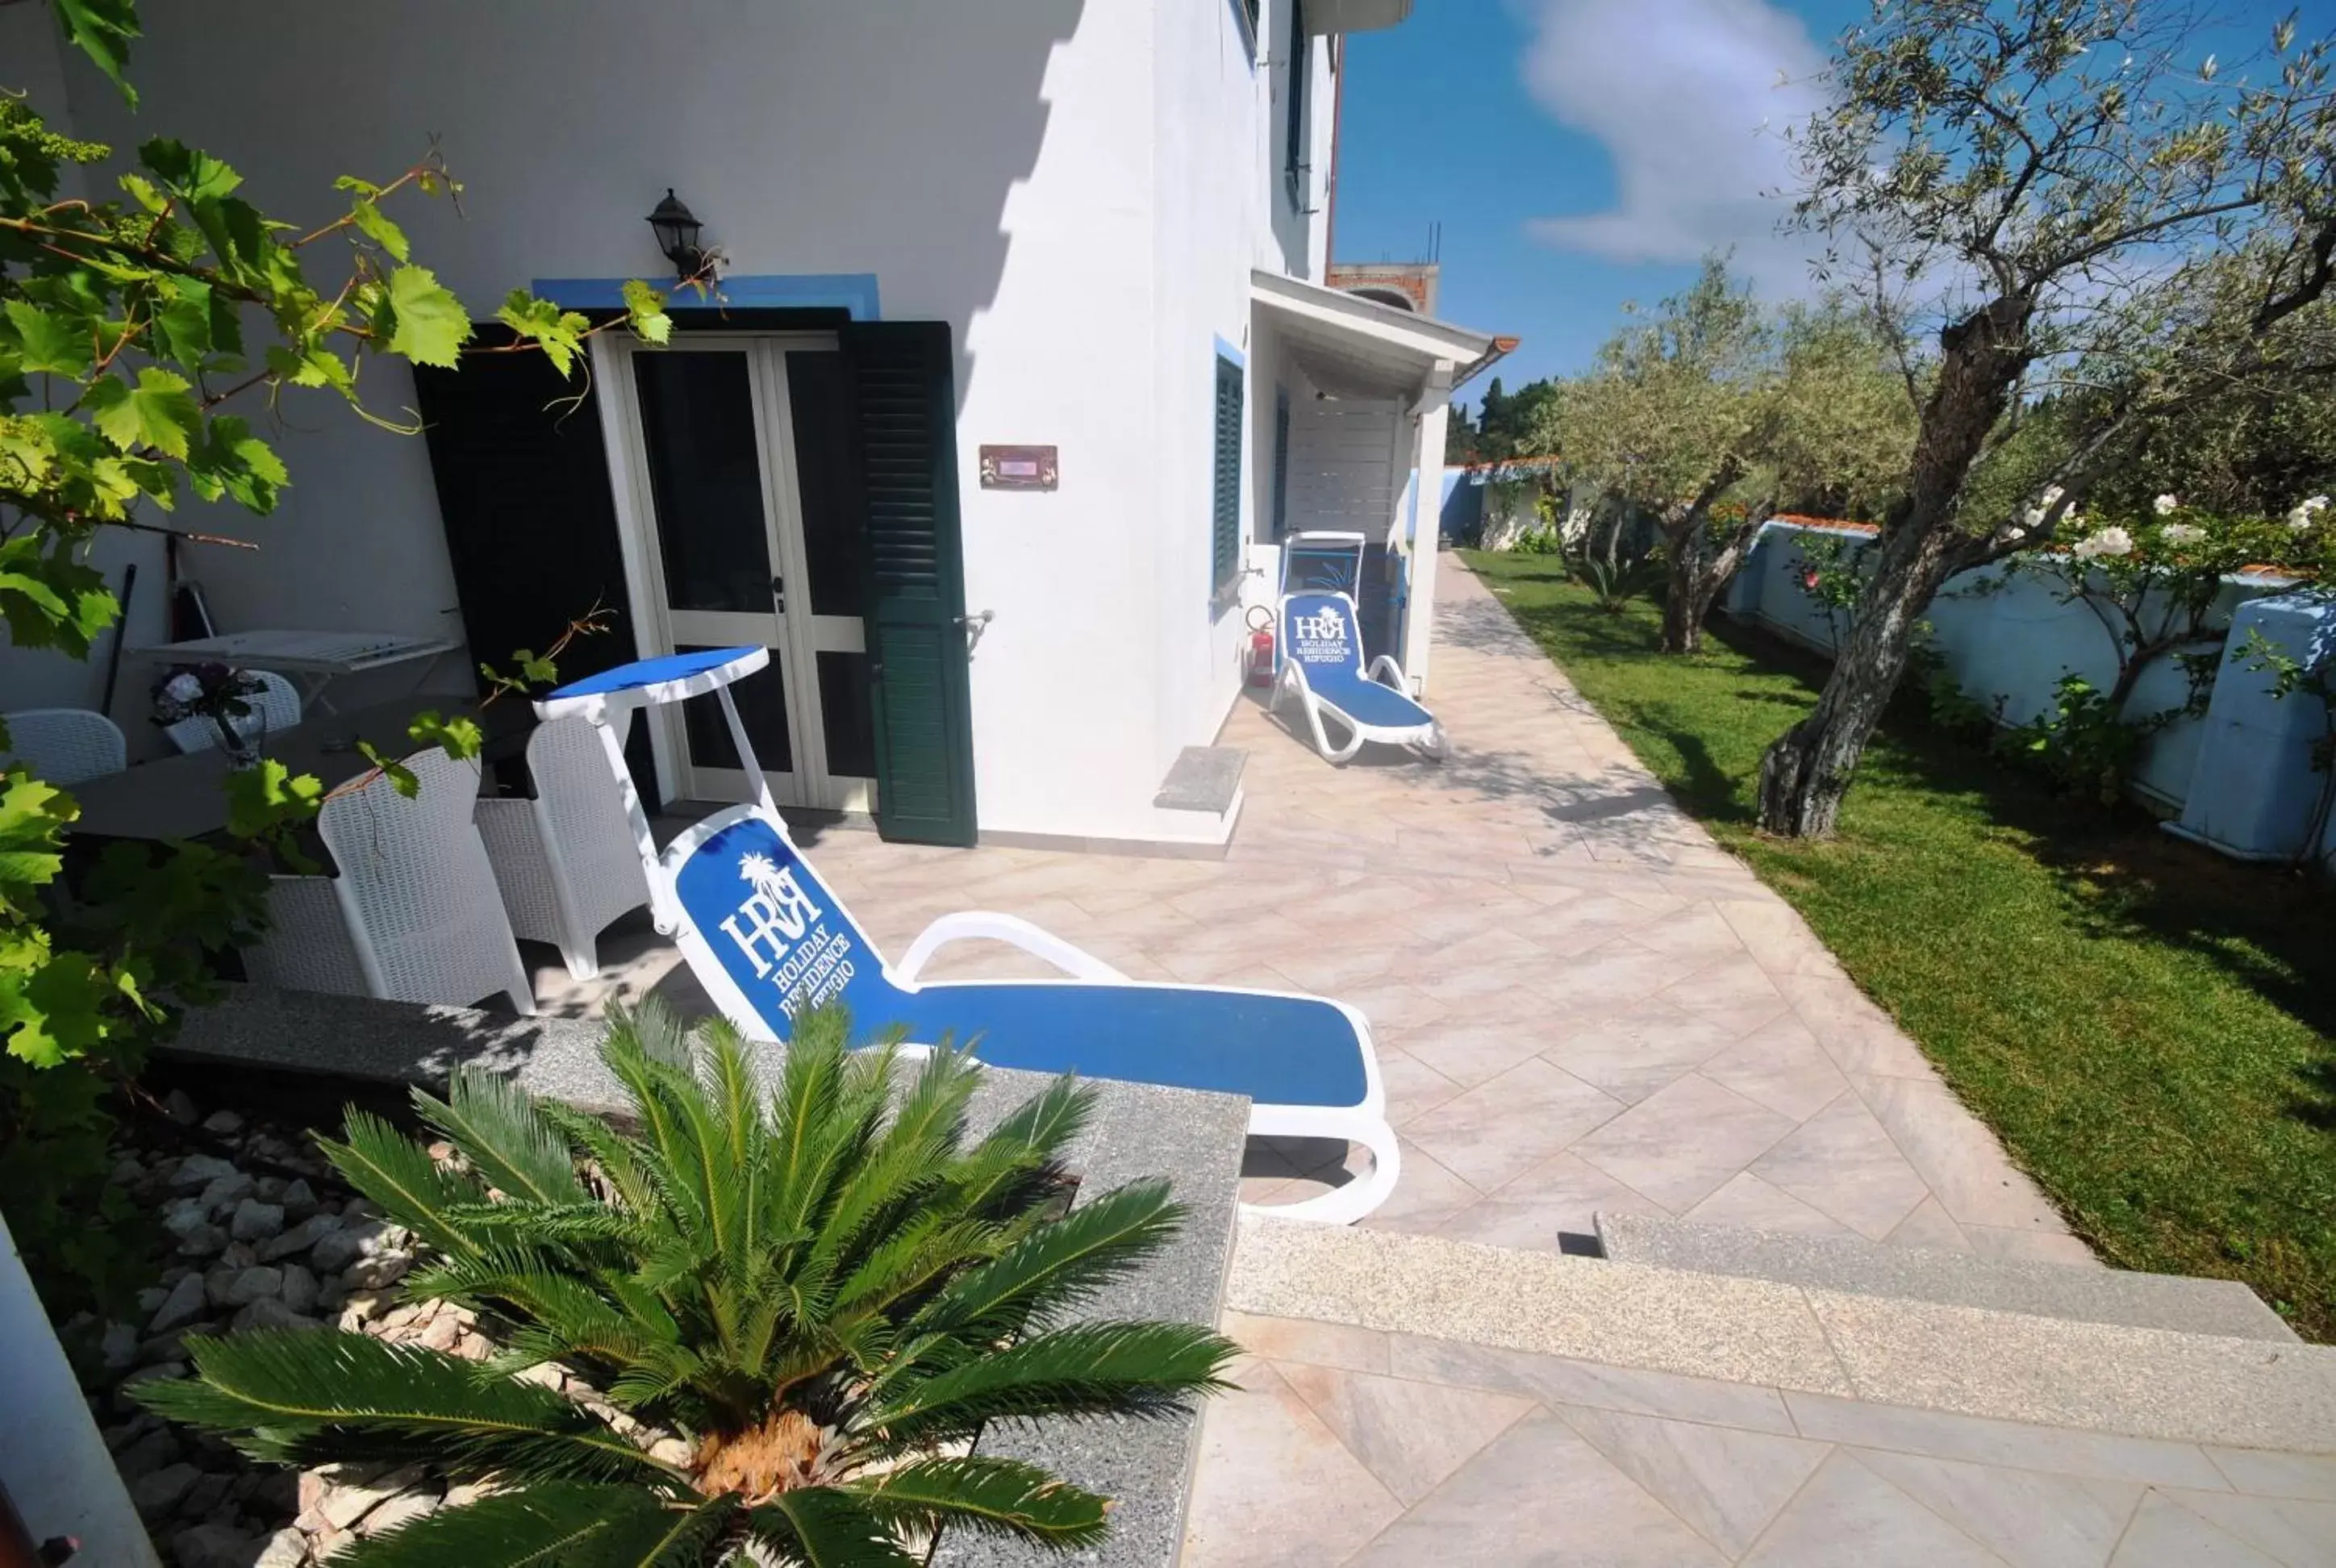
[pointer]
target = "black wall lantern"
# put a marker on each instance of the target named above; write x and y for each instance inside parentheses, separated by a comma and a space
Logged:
(676, 235)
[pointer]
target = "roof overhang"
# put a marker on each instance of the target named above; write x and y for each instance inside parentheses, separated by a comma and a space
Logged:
(1354, 15)
(1354, 348)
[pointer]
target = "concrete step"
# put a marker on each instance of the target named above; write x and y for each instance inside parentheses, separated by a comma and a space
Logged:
(1856, 1267)
(2074, 1375)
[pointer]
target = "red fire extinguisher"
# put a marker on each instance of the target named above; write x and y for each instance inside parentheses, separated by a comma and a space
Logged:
(1260, 646)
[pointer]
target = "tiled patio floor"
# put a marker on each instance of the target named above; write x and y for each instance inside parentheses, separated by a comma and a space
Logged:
(1580, 1003)
(1346, 1446)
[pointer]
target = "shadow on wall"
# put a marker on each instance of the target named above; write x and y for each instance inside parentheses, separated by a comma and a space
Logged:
(812, 137)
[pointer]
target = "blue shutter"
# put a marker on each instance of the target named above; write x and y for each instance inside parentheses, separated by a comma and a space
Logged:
(1225, 494)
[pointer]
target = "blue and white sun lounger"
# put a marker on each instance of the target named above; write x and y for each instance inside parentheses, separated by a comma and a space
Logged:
(768, 939)
(1322, 666)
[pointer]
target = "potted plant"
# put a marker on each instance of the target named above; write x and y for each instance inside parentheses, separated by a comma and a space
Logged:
(220, 694)
(797, 1308)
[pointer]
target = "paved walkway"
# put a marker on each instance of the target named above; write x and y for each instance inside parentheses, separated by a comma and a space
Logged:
(1348, 1445)
(1581, 1003)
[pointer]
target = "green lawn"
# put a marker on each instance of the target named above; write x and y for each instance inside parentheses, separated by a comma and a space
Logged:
(2147, 1026)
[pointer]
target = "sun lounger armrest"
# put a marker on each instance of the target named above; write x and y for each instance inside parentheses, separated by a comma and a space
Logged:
(1387, 662)
(983, 923)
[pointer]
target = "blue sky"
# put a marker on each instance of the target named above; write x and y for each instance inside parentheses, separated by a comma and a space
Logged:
(1581, 154)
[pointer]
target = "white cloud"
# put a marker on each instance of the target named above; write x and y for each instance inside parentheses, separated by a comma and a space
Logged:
(1691, 98)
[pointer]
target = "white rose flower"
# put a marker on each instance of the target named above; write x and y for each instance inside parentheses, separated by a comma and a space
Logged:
(2307, 512)
(2110, 540)
(2182, 533)
(2015, 533)
(182, 688)
(2052, 494)
(2164, 504)
(2032, 518)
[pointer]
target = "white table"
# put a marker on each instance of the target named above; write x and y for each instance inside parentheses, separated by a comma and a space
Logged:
(316, 658)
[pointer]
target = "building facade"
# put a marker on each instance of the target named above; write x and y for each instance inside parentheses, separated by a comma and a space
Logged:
(958, 242)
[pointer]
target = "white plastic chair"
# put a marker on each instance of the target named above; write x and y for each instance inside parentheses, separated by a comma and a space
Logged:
(64, 745)
(565, 859)
(274, 708)
(413, 914)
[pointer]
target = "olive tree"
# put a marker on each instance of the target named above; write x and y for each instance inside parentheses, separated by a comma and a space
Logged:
(1716, 412)
(2084, 200)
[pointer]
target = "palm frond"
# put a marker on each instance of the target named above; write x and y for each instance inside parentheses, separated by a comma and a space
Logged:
(1056, 1266)
(607, 1149)
(551, 1526)
(826, 1527)
(315, 1396)
(992, 1496)
(400, 1177)
(495, 1123)
(1136, 1369)
(1007, 1170)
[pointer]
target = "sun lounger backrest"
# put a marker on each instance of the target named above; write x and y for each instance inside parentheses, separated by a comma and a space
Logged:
(773, 928)
(1318, 630)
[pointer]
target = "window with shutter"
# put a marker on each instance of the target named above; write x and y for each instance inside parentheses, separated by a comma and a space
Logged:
(1295, 165)
(1225, 494)
(1280, 463)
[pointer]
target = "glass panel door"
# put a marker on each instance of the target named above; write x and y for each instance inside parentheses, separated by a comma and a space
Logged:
(746, 534)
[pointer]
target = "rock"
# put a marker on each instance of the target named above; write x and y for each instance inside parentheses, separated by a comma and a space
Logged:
(441, 1334)
(200, 1171)
(126, 1170)
(271, 1189)
(151, 1296)
(118, 1345)
(170, 1347)
(182, 1216)
(183, 1305)
(221, 1193)
(345, 1503)
(313, 1485)
(203, 1498)
(544, 1374)
(155, 1495)
(202, 1241)
(339, 1246)
(373, 1273)
(268, 1312)
(287, 1548)
(310, 1231)
(465, 1494)
(255, 1220)
(222, 1122)
(298, 1288)
(214, 1546)
(156, 1450)
(239, 1255)
(298, 1197)
(671, 1451)
(182, 1109)
(274, 1493)
(253, 1284)
(159, 1370)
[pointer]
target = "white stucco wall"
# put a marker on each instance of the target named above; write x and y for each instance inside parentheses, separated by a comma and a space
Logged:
(1078, 187)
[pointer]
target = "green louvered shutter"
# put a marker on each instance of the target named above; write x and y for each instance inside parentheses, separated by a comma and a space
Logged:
(1226, 494)
(901, 386)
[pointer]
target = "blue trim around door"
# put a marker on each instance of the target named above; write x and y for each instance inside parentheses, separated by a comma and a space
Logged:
(854, 292)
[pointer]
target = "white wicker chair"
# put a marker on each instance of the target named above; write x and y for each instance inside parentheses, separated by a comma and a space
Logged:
(565, 860)
(66, 745)
(274, 708)
(413, 914)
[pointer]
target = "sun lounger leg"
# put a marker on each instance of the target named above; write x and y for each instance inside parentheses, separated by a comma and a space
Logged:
(1345, 1205)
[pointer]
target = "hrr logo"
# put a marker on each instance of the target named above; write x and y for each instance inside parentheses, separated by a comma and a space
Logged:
(777, 914)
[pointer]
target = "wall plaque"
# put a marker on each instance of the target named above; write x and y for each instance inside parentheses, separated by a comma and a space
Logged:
(1019, 468)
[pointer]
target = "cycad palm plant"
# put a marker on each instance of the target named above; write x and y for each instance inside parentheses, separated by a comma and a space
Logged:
(825, 1288)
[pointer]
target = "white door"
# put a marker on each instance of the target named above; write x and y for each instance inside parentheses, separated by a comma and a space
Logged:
(730, 465)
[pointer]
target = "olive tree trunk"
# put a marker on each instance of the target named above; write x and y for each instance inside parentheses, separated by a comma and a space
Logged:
(1807, 771)
(1701, 565)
